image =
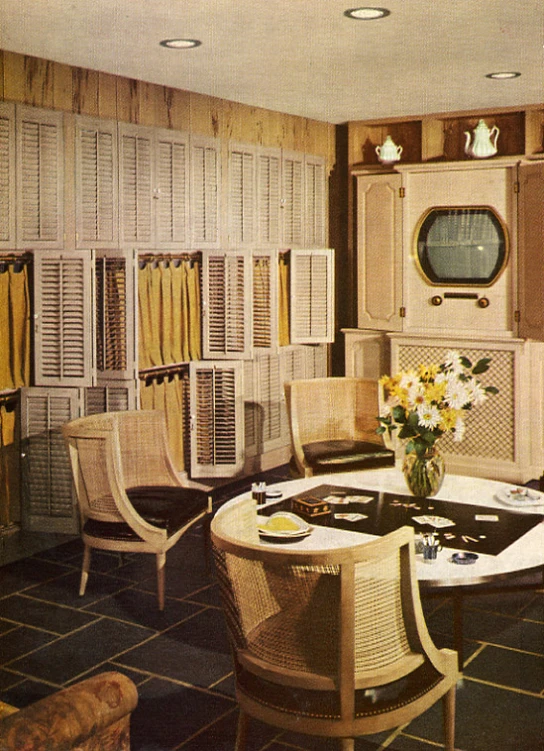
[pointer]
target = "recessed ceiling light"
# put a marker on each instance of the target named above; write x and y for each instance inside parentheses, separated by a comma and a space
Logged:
(367, 14)
(504, 74)
(181, 44)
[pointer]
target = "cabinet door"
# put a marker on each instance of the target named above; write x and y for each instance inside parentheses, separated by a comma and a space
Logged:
(531, 251)
(136, 183)
(312, 296)
(315, 192)
(292, 200)
(205, 186)
(172, 189)
(97, 210)
(268, 196)
(242, 195)
(379, 252)
(264, 270)
(7, 175)
(40, 173)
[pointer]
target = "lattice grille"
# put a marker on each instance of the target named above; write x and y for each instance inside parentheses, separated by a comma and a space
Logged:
(490, 427)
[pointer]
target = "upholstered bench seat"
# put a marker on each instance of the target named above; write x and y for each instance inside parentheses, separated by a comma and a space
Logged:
(345, 455)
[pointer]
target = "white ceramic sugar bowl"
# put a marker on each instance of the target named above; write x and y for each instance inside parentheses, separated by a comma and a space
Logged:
(388, 152)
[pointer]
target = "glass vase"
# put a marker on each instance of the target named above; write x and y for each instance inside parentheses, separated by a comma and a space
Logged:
(424, 474)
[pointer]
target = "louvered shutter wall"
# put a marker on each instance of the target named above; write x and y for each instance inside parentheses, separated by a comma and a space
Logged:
(63, 312)
(270, 401)
(40, 178)
(312, 296)
(47, 495)
(97, 218)
(293, 199)
(265, 299)
(252, 410)
(217, 419)
(117, 396)
(7, 175)
(316, 209)
(316, 360)
(242, 195)
(172, 204)
(205, 183)
(115, 288)
(268, 196)
(227, 312)
(292, 368)
(136, 185)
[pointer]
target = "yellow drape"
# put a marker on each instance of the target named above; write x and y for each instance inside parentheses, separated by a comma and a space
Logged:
(6, 381)
(283, 313)
(165, 394)
(9, 466)
(14, 327)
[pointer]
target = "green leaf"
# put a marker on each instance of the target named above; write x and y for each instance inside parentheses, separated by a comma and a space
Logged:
(491, 389)
(465, 362)
(398, 414)
(410, 446)
(413, 419)
(481, 366)
(380, 430)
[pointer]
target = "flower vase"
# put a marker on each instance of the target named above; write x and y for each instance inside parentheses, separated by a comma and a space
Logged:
(424, 473)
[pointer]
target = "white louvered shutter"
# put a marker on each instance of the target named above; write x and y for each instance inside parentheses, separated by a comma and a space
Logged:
(48, 502)
(205, 186)
(317, 363)
(226, 292)
(172, 189)
(292, 199)
(40, 178)
(269, 197)
(136, 182)
(97, 209)
(264, 266)
(270, 400)
(242, 195)
(315, 192)
(252, 410)
(312, 296)
(217, 419)
(293, 363)
(115, 314)
(63, 315)
(7, 175)
(117, 396)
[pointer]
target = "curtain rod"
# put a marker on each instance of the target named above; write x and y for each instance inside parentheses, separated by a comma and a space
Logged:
(158, 370)
(147, 256)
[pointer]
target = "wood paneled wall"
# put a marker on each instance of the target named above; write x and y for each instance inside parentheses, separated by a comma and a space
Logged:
(44, 83)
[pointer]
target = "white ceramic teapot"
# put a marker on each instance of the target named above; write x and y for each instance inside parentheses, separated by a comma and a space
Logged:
(388, 152)
(484, 143)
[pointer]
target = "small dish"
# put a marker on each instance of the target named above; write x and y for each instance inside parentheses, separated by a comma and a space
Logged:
(284, 525)
(464, 559)
(520, 497)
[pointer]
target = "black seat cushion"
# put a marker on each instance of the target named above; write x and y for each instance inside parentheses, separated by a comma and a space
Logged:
(337, 456)
(164, 506)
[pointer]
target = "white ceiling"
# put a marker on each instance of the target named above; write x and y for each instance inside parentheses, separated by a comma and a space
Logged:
(300, 57)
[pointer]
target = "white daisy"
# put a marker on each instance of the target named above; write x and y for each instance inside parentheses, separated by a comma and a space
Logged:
(457, 394)
(453, 361)
(428, 415)
(477, 392)
(459, 430)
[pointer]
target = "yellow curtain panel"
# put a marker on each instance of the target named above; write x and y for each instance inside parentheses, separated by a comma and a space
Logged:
(14, 326)
(165, 393)
(283, 315)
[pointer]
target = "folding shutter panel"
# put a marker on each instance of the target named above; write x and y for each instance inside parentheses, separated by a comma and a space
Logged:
(264, 265)
(292, 368)
(316, 207)
(252, 410)
(316, 360)
(268, 196)
(62, 321)
(292, 199)
(40, 178)
(136, 181)
(217, 419)
(115, 286)
(117, 396)
(7, 175)
(227, 311)
(270, 401)
(47, 495)
(312, 296)
(205, 185)
(97, 216)
(172, 204)
(242, 195)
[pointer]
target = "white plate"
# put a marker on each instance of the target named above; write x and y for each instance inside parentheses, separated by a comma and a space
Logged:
(302, 527)
(520, 497)
(271, 535)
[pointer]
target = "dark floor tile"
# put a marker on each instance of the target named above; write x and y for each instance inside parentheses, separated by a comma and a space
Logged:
(405, 743)
(208, 596)
(135, 676)
(534, 610)
(504, 603)
(168, 713)
(142, 608)
(68, 552)
(27, 692)
(22, 640)
(180, 583)
(45, 615)
(8, 680)
(221, 735)
(79, 652)
(225, 686)
(507, 667)
(27, 573)
(206, 630)
(6, 625)
(64, 590)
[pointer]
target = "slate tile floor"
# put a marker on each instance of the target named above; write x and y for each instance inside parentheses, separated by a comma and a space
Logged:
(180, 661)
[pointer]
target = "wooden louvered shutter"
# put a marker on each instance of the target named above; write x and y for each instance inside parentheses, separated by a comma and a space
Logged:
(7, 175)
(40, 176)
(227, 310)
(205, 185)
(264, 266)
(292, 199)
(115, 329)
(242, 195)
(172, 204)
(136, 180)
(268, 197)
(217, 419)
(315, 192)
(97, 215)
(63, 318)
(312, 296)
(117, 396)
(47, 495)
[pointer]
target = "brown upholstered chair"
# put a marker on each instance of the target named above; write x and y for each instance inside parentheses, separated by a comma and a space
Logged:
(130, 496)
(328, 643)
(333, 425)
(90, 715)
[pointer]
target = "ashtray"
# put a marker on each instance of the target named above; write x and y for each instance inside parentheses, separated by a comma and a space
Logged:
(463, 559)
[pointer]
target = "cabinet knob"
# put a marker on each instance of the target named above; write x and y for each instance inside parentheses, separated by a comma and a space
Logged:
(436, 300)
(483, 302)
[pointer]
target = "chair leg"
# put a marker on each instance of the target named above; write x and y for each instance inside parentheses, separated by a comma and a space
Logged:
(348, 744)
(241, 734)
(448, 709)
(161, 562)
(85, 566)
